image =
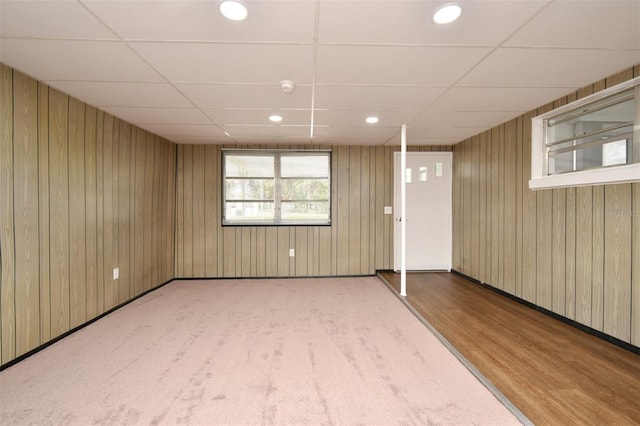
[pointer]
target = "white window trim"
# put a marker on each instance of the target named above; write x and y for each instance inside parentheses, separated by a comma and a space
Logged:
(615, 174)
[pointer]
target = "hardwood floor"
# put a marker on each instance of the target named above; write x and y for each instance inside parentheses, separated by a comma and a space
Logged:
(552, 372)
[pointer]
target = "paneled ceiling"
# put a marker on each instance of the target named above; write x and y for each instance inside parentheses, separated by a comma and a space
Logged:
(179, 69)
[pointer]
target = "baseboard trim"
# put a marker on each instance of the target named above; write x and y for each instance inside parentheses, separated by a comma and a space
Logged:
(592, 331)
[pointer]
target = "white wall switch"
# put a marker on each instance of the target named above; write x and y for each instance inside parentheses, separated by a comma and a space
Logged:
(292, 252)
(116, 273)
(388, 210)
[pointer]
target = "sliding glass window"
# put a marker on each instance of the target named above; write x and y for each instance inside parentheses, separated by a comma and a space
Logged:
(276, 187)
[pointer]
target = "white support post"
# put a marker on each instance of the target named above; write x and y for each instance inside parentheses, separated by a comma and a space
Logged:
(403, 216)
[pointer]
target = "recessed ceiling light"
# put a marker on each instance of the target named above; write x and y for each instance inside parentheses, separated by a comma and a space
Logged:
(372, 120)
(233, 10)
(447, 13)
(275, 118)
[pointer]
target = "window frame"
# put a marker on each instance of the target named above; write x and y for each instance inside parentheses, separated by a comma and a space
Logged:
(277, 186)
(540, 179)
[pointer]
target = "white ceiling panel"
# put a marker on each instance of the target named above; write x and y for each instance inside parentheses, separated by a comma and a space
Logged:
(380, 65)
(341, 118)
(430, 119)
(410, 22)
(189, 20)
(50, 19)
(258, 116)
(382, 98)
(521, 67)
(185, 130)
(262, 131)
(222, 96)
(229, 63)
(181, 70)
(124, 94)
(497, 99)
(76, 60)
(611, 24)
(141, 115)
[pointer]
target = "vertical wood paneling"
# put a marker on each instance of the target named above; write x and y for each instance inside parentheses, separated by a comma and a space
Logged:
(77, 225)
(25, 199)
(529, 209)
(7, 275)
(43, 211)
(475, 207)
(199, 235)
(91, 278)
(124, 283)
(635, 259)
(584, 253)
(364, 212)
(573, 250)
(59, 208)
(570, 254)
(510, 188)
(147, 205)
(617, 261)
(109, 218)
(138, 221)
(211, 219)
(354, 244)
(482, 210)
(69, 169)
(544, 291)
(597, 266)
(558, 250)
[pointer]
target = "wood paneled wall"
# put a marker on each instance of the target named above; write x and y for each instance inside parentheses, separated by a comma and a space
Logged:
(573, 251)
(81, 193)
(358, 242)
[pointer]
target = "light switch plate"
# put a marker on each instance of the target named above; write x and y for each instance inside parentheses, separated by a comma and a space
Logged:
(388, 210)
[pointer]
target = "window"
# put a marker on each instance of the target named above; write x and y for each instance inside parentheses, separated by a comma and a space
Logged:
(276, 187)
(592, 141)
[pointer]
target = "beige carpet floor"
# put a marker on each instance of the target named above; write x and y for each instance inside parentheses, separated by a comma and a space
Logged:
(334, 351)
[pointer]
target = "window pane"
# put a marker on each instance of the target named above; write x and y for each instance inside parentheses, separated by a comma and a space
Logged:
(305, 211)
(305, 165)
(248, 165)
(249, 211)
(248, 189)
(305, 189)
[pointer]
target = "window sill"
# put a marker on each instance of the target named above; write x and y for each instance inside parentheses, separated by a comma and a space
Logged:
(612, 175)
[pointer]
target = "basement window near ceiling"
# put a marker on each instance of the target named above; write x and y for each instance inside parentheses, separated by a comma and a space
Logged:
(276, 187)
(592, 141)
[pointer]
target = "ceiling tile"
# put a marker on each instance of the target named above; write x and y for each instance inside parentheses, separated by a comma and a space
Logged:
(50, 19)
(188, 130)
(258, 116)
(482, 23)
(189, 20)
(381, 98)
(516, 67)
(124, 94)
(500, 99)
(385, 65)
(141, 115)
(266, 131)
(612, 24)
(430, 119)
(341, 118)
(229, 63)
(364, 135)
(76, 60)
(246, 96)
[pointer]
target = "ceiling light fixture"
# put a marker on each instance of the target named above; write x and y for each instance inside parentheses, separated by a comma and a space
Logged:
(372, 120)
(233, 9)
(447, 13)
(275, 118)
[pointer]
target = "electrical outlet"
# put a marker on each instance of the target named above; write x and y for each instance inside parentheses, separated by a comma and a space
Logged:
(116, 273)
(292, 252)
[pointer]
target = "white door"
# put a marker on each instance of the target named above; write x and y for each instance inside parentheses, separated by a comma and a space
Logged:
(428, 213)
